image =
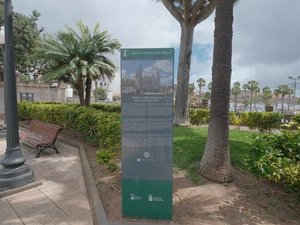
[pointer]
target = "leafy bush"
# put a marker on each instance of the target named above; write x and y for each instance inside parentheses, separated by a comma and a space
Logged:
(263, 121)
(107, 158)
(296, 119)
(107, 107)
(96, 127)
(238, 120)
(102, 93)
(199, 116)
(276, 157)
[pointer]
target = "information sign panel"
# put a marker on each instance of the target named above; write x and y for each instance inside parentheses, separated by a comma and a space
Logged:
(147, 85)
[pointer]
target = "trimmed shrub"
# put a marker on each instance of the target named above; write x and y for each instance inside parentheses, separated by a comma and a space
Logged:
(276, 157)
(199, 116)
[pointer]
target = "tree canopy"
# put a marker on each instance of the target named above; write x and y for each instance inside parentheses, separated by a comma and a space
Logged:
(26, 33)
(78, 58)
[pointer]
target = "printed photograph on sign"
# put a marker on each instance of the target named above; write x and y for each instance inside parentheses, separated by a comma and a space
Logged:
(147, 77)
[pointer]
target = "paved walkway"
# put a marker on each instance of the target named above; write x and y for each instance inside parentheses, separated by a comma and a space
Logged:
(64, 192)
(59, 196)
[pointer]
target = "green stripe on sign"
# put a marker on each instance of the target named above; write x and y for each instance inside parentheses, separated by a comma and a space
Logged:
(150, 199)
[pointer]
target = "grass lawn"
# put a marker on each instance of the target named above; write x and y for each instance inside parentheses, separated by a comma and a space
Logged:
(189, 144)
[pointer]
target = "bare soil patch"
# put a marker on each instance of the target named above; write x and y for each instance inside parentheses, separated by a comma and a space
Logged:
(243, 201)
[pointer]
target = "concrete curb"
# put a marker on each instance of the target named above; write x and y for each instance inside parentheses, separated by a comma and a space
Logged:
(98, 213)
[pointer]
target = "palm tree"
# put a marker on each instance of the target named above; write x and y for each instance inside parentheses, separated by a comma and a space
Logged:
(189, 14)
(256, 90)
(245, 88)
(191, 91)
(267, 94)
(78, 59)
(251, 86)
(209, 86)
(201, 83)
(283, 90)
(215, 163)
(276, 93)
(289, 93)
(236, 90)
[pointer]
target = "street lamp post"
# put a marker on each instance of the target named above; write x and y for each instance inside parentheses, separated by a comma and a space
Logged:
(295, 84)
(15, 173)
(3, 130)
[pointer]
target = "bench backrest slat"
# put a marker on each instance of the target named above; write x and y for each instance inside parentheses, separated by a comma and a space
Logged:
(45, 129)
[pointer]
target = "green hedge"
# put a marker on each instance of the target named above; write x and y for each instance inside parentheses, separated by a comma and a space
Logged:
(97, 127)
(260, 121)
(276, 157)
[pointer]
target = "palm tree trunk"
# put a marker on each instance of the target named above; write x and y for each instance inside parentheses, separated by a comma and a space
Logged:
(235, 102)
(251, 93)
(80, 90)
(215, 163)
(88, 87)
(184, 64)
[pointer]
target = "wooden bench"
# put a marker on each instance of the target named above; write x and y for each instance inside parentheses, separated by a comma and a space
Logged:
(40, 135)
(2, 119)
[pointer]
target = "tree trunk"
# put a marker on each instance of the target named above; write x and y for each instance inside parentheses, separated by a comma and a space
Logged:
(235, 102)
(80, 90)
(215, 163)
(183, 76)
(88, 88)
(251, 94)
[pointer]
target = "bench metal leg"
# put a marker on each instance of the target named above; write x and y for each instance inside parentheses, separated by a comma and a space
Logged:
(42, 148)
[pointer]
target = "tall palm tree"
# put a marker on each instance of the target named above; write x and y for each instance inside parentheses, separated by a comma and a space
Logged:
(283, 90)
(78, 58)
(191, 91)
(276, 93)
(267, 94)
(215, 163)
(188, 13)
(236, 90)
(251, 86)
(289, 93)
(256, 90)
(245, 88)
(201, 83)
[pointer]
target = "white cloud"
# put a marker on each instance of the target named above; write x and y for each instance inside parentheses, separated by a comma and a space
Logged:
(265, 38)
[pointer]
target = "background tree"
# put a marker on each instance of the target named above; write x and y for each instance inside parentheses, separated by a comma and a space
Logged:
(246, 103)
(245, 88)
(191, 91)
(189, 13)
(207, 95)
(215, 163)
(209, 86)
(101, 93)
(276, 93)
(267, 94)
(236, 90)
(79, 58)
(289, 93)
(26, 32)
(201, 83)
(256, 99)
(251, 86)
(283, 90)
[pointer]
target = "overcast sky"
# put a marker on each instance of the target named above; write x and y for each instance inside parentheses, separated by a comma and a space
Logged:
(266, 34)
